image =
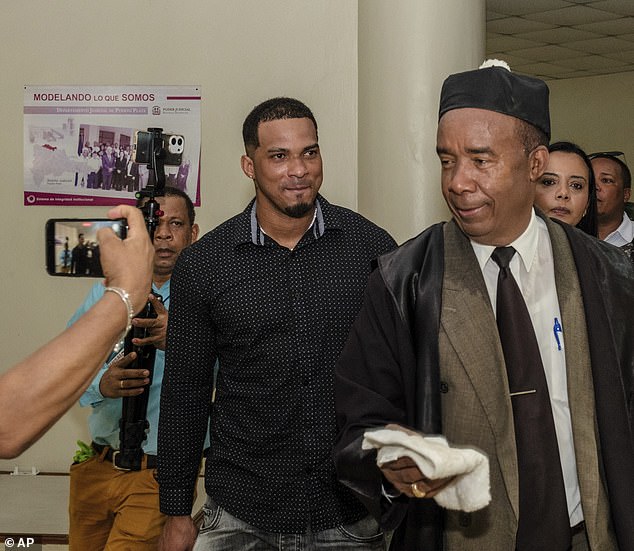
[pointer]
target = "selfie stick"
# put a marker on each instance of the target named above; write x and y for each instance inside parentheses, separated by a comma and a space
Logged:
(133, 424)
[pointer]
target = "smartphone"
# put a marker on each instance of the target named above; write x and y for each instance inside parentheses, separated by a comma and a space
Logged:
(71, 245)
(172, 144)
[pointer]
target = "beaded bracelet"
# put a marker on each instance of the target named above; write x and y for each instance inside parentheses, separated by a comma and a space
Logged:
(125, 297)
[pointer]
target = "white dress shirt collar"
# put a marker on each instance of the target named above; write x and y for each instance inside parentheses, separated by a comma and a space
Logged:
(525, 245)
(622, 235)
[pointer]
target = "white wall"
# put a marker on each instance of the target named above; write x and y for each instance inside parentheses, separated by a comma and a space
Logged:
(241, 52)
(405, 55)
(595, 112)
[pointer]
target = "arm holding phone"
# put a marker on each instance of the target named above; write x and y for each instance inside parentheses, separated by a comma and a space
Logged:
(41, 388)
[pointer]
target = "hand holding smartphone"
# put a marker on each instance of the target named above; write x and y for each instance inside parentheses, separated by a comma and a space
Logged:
(72, 249)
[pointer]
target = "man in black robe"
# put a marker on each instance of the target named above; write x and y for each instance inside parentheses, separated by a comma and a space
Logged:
(425, 353)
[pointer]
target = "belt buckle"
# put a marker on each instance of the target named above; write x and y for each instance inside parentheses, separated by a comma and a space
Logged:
(114, 462)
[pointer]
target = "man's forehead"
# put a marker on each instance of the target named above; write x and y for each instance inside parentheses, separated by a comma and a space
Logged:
(286, 127)
(171, 202)
(607, 166)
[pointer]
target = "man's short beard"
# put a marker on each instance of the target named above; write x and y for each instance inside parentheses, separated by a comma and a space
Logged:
(299, 211)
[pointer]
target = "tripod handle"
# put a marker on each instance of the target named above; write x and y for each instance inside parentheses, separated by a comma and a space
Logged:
(133, 424)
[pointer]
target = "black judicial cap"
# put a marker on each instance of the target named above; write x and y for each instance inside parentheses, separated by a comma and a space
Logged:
(496, 88)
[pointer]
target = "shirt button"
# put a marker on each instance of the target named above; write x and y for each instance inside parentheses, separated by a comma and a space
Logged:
(305, 381)
(444, 387)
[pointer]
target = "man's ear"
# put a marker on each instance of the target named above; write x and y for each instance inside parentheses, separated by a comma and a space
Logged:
(538, 160)
(627, 192)
(247, 166)
(195, 230)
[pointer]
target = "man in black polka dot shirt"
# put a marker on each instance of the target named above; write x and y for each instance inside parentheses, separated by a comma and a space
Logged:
(270, 293)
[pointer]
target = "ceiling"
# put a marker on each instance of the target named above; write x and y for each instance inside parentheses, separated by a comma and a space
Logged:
(557, 39)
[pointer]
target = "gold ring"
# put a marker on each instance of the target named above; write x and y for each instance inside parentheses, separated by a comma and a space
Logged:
(417, 491)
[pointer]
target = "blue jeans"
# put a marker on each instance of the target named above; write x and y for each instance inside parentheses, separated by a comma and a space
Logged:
(221, 531)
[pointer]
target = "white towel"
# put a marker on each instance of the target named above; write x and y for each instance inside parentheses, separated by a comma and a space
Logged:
(469, 491)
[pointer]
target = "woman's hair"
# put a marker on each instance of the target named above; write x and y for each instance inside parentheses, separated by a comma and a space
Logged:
(588, 222)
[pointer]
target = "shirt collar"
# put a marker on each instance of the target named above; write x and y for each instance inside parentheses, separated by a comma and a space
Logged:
(525, 245)
(622, 235)
(249, 231)
(163, 289)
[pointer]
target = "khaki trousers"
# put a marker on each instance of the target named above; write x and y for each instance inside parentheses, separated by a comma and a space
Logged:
(113, 510)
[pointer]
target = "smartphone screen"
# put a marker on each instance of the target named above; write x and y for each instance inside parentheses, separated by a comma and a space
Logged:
(72, 249)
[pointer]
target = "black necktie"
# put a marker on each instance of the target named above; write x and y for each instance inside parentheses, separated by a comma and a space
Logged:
(543, 522)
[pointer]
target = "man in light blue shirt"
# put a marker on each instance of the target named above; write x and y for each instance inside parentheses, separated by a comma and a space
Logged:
(115, 381)
(111, 507)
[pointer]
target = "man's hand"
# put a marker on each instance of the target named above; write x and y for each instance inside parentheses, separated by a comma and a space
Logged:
(128, 263)
(117, 381)
(179, 534)
(157, 326)
(403, 473)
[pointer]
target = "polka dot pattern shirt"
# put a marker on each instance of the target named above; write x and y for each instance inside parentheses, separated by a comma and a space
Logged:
(276, 320)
